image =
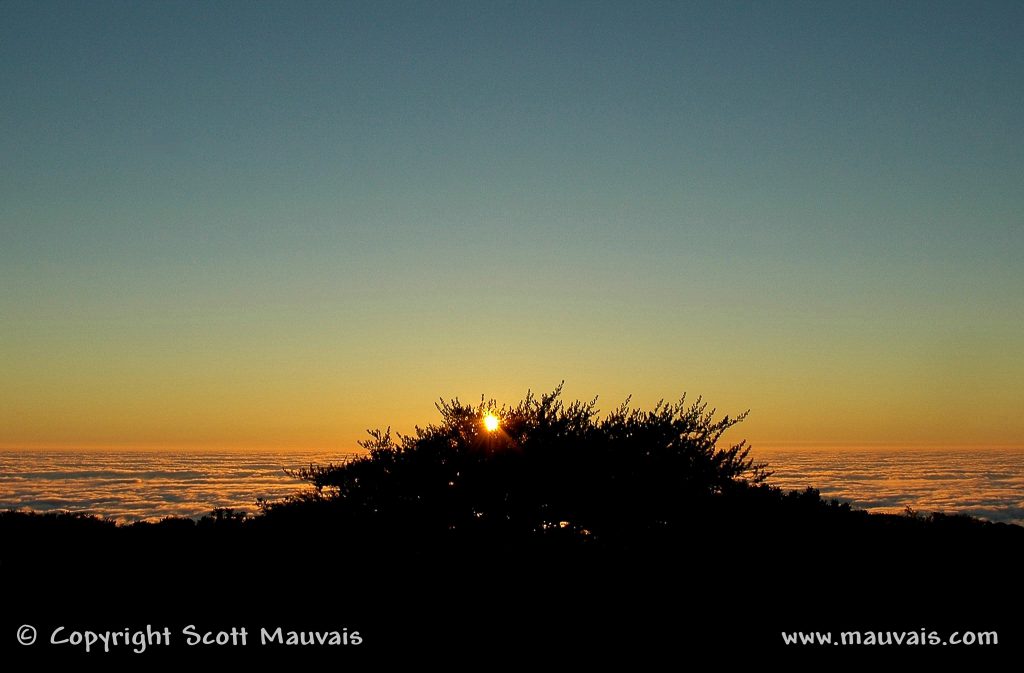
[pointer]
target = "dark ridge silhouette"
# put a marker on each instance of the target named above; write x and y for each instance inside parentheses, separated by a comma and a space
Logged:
(634, 535)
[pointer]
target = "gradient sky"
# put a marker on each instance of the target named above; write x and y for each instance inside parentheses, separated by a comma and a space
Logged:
(274, 225)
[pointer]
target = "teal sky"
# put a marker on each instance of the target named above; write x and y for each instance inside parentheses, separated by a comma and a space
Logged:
(276, 224)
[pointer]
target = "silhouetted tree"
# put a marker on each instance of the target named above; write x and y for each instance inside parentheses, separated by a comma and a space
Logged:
(549, 469)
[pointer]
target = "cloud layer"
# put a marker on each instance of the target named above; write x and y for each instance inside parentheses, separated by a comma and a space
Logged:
(131, 486)
(983, 483)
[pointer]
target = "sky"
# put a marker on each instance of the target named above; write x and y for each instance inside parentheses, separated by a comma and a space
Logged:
(262, 225)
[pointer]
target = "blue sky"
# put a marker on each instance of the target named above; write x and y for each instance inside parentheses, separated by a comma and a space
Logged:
(278, 223)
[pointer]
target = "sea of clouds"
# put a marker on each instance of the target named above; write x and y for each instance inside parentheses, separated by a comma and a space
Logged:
(132, 486)
(980, 482)
(150, 485)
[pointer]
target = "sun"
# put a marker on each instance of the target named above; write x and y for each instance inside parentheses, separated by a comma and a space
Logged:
(491, 422)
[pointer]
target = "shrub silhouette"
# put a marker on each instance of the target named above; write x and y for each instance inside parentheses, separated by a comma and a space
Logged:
(550, 470)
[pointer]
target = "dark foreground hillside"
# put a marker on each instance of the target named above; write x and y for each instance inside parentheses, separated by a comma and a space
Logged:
(555, 537)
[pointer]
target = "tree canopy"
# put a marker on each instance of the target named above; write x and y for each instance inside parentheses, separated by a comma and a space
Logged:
(548, 468)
